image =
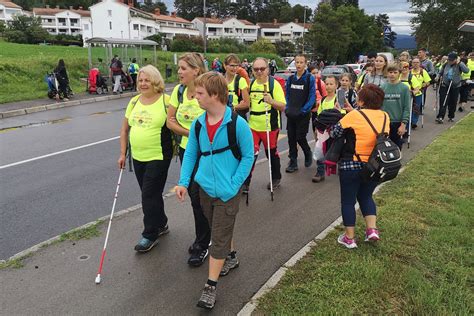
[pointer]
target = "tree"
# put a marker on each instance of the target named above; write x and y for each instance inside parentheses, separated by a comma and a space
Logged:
(436, 24)
(262, 45)
(383, 20)
(337, 3)
(297, 12)
(284, 48)
(3, 27)
(26, 30)
(186, 43)
(150, 6)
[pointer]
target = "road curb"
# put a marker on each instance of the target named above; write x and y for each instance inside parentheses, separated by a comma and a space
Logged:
(53, 106)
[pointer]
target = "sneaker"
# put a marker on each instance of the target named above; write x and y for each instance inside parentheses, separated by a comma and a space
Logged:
(414, 126)
(145, 245)
(245, 189)
(318, 178)
(276, 184)
(229, 264)
(450, 120)
(461, 109)
(372, 234)
(346, 241)
(308, 159)
(439, 120)
(292, 166)
(163, 230)
(198, 256)
(208, 297)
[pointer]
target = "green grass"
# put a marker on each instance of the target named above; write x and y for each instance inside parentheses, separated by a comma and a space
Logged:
(424, 263)
(23, 67)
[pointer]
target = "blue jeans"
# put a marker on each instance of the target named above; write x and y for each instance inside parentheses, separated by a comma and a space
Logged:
(419, 102)
(352, 189)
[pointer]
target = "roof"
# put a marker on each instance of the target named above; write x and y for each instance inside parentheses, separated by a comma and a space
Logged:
(54, 11)
(466, 26)
(109, 40)
(9, 4)
(161, 17)
(271, 25)
(212, 20)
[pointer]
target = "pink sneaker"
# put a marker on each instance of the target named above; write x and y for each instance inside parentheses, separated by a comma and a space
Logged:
(346, 241)
(372, 234)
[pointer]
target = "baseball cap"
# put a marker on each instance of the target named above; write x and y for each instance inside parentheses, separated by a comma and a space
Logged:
(452, 56)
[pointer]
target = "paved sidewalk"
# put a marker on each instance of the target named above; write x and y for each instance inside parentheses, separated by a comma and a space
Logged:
(38, 105)
(56, 281)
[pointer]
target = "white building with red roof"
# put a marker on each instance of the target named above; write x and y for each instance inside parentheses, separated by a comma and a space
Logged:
(8, 10)
(65, 21)
(290, 31)
(242, 30)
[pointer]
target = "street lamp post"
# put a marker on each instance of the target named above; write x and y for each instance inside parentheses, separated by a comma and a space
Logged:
(205, 28)
(304, 25)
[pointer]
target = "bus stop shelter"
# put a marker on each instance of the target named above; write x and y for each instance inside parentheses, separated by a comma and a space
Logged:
(129, 48)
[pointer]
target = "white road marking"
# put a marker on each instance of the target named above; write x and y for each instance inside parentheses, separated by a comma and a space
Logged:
(58, 153)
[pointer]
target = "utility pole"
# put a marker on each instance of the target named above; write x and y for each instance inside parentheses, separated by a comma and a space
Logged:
(304, 26)
(205, 28)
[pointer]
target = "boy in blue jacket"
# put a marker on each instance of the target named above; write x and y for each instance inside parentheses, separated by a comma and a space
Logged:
(220, 174)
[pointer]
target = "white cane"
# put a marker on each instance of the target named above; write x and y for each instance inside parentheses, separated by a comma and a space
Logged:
(265, 91)
(409, 122)
(446, 97)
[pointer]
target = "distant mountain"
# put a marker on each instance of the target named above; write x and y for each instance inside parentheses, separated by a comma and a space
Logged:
(404, 41)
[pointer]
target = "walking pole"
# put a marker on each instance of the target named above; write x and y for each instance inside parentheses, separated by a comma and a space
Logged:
(97, 278)
(409, 122)
(422, 105)
(436, 98)
(447, 94)
(265, 91)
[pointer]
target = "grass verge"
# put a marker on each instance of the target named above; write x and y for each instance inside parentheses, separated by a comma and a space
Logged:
(72, 235)
(424, 263)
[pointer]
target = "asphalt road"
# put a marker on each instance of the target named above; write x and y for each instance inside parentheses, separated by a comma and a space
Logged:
(42, 197)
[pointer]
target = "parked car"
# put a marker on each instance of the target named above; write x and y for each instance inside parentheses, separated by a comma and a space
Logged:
(389, 56)
(291, 67)
(356, 67)
(284, 74)
(337, 71)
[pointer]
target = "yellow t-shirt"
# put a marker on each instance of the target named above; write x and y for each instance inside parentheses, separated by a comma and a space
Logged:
(147, 123)
(418, 78)
(258, 122)
(470, 65)
(186, 112)
(242, 85)
(365, 136)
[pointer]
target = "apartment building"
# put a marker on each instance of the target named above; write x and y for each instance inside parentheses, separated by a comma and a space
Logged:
(8, 10)
(276, 32)
(242, 30)
(65, 21)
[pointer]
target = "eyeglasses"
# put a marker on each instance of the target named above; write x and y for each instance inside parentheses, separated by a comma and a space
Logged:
(261, 69)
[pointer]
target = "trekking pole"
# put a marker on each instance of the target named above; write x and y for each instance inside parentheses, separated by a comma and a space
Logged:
(265, 91)
(436, 98)
(97, 278)
(423, 97)
(409, 122)
(447, 94)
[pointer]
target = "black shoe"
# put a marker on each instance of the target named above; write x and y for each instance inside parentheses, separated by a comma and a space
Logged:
(198, 256)
(163, 230)
(245, 189)
(292, 166)
(451, 120)
(275, 183)
(414, 126)
(460, 109)
(439, 120)
(308, 159)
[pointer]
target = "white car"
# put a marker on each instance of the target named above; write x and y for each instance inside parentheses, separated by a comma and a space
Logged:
(291, 67)
(356, 67)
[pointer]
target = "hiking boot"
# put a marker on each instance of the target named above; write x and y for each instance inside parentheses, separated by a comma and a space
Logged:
(208, 297)
(229, 264)
(372, 234)
(346, 241)
(439, 120)
(461, 108)
(245, 189)
(198, 256)
(292, 166)
(308, 159)
(318, 178)
(163, 230)
(276, 184)
(145, 245)
(451, 120)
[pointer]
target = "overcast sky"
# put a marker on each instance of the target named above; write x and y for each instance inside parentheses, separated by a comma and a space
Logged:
(397, 10)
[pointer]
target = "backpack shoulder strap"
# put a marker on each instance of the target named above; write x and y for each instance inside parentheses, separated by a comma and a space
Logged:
(351, 94)
(232, 136)
(197, 131)
(181, 89)
(271, 84)
(237, 91)
(251, 84)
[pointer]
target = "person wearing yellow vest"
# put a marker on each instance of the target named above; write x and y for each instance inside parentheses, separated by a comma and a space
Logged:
(327, 103)
(273, 102)
(133, 71)
(183, 111)
(238, 90)
(368, 69)
(151, 150)
(465, 86)
(420, 81)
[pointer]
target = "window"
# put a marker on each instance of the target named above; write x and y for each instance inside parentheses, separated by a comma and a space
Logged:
(86, 27)
(110, 25)
(109, 12)
(135, 27)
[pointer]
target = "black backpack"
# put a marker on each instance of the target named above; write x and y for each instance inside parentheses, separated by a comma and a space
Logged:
(385, 160)
(231, 136)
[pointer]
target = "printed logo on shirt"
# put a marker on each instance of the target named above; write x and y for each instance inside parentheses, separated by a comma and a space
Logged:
(297, 86)
(141, 119)
(392, 96)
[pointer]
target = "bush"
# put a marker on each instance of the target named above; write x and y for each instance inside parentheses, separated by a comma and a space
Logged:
(225, 45)
(263, 45)
(26, 30)
(156, 38)
(186, 43)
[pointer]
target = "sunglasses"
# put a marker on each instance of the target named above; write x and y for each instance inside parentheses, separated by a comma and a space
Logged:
(261, 69)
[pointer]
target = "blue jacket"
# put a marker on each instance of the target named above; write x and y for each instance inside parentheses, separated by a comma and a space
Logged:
(220, 175)
(311, 100)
